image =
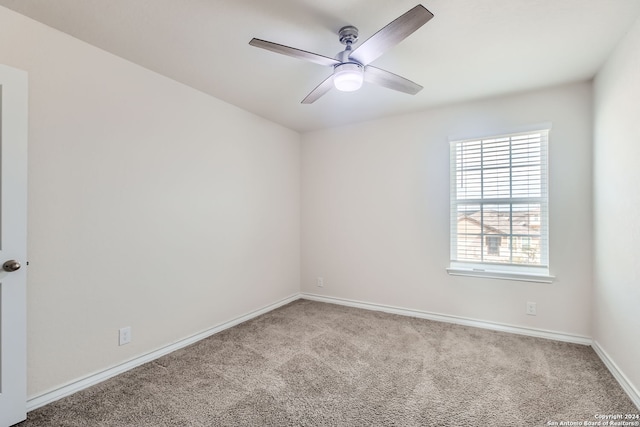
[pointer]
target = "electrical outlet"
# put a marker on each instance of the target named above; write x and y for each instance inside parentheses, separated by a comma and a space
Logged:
(124, 335)
(531, 308)
(320, 282)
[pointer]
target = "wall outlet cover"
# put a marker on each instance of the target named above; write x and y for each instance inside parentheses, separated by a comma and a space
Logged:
(531, 308)
(124, 335)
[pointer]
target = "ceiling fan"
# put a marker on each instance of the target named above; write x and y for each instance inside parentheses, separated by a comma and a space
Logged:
(351, 67)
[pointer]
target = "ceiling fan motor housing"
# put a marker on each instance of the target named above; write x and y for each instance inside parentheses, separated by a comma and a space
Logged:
(348, 76)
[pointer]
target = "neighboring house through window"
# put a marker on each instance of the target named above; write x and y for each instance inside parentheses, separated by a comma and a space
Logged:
(499, 206)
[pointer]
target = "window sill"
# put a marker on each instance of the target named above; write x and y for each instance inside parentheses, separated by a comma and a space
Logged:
(489, 274)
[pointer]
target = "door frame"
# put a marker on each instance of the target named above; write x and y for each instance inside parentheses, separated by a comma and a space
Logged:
(13, 244)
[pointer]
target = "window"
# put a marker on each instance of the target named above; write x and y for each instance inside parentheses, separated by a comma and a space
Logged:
(493, 245)
(499, 206)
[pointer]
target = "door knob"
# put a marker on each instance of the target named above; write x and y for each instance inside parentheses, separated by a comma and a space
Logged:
(11, 265)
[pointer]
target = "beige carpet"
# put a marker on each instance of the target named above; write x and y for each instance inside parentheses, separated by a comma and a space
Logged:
(316, 364)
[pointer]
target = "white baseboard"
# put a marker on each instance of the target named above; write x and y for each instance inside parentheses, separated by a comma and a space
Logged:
(90, 380)
(622, 379)
(93, 379)
(532, 332)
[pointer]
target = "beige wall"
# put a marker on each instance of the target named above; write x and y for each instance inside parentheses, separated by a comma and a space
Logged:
(151, 205)
(375, 211)
(616, 302)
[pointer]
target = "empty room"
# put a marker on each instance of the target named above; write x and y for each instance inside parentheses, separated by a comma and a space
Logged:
(298, 213)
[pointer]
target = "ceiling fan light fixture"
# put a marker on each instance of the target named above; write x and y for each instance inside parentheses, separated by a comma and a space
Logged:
(348, 77)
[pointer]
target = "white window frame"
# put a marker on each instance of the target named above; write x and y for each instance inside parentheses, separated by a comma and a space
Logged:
(520, 272)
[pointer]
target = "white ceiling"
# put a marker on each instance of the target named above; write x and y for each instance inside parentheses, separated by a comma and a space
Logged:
(471, 49)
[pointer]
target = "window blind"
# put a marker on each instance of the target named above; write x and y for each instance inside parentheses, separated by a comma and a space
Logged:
(499, 202)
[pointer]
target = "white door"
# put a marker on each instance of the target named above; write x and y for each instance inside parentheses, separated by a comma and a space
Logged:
(13, 245)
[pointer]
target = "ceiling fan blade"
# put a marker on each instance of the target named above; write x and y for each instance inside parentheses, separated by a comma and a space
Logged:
(320, 90)
(389, 36)
(291, 51)
(389, 80)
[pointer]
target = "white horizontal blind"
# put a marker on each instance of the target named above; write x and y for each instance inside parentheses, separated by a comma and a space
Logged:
(499, 201)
